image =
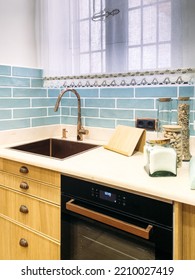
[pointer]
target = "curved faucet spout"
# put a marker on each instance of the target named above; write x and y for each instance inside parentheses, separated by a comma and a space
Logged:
(80, 129)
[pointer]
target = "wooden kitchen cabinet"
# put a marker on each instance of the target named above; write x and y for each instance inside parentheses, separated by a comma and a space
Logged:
(29, 212)
(184, 231)
(21, 243)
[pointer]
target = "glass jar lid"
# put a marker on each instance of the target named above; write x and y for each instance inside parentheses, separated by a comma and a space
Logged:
(172, 127)
(183, 98)
(158, 141)
(164, 99)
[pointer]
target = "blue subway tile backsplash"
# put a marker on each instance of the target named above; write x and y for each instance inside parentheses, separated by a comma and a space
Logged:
(14, 82)
(156, 92)
(5, 70)
(27, 72)
(24, 102)
(5, 92)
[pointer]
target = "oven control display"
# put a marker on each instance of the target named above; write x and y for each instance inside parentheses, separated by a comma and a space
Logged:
(108, 196)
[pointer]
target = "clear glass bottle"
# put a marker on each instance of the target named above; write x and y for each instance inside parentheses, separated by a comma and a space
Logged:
(174, 133)
(183, 121)
(164, 110)
(160, 158)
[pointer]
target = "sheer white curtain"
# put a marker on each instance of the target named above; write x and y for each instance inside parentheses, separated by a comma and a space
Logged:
(53, 36)
(144, 35)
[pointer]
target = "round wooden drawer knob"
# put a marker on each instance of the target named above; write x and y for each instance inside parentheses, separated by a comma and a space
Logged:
(24, 170)
(23, 242)
(24, 186)
(23, 209)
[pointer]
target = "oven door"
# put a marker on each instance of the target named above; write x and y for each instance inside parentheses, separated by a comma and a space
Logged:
(88, 233)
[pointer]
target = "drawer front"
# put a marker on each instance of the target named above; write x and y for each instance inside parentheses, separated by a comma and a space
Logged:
(36, 214)
(18, 243)
(32, 172)
(1, 164)
(31, 187)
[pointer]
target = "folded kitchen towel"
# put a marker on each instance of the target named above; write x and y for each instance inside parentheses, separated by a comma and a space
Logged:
(192, 173)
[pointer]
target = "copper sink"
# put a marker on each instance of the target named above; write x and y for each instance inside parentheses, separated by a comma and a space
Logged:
(56, 148)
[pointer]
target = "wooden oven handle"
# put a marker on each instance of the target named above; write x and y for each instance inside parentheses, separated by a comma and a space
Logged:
(130, 228)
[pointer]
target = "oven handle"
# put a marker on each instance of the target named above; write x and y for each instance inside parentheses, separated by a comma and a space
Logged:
(130, 228)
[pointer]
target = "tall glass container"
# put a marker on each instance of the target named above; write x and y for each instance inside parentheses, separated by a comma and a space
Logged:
(183, 121)
(164, 110)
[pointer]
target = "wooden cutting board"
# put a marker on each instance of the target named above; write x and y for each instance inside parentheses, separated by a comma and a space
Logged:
(126, 140)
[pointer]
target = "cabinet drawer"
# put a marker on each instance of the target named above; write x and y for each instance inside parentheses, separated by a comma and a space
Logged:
(1, 164)
(31, 187)
(36, 214)
(33, 172)
(19, 243)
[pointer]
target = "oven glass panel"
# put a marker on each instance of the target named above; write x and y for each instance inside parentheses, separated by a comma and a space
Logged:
(90, 240)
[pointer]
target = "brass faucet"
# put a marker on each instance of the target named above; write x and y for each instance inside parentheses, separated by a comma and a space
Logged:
(80, 128)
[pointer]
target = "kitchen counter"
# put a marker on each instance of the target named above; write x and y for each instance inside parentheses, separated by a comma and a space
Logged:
(103, 166)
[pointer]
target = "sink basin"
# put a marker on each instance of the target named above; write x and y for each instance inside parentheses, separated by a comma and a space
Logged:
(56, 148)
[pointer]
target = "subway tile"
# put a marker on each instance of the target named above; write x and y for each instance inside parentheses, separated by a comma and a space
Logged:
(95, 122)
(55, 93)
(14, 124)
(14, 82)
(116, 114)
(14, 103)
(135, 103)
(68, 120)
(156, 91)
(27, 72)
(192, 131)
(36, 82)
(5, 114)
(45, 121)
(186, 91)
(5, 70)
(125, 122)
(5, 92)
(21, 92)
(86, 112)
(30, 112)
(116, 92)
(65, 111)
(87, 92)
(145, 114)
(70, 102)
(100, 103)
(174, 116)
(52, 113)
(43, 102)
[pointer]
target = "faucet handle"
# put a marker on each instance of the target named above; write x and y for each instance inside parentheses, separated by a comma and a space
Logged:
(83, 131)
(64, 131)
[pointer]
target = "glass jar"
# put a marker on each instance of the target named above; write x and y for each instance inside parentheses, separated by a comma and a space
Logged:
(164, 110)
(183, 121)
(174, 133)
(160, 158)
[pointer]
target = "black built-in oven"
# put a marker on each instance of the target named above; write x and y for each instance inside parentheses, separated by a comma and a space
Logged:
(104, 223)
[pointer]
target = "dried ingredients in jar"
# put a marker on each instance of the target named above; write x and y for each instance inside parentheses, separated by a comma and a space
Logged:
(174, 133)
(183, 121)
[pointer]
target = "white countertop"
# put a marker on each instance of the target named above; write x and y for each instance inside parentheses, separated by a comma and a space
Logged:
(106, 167)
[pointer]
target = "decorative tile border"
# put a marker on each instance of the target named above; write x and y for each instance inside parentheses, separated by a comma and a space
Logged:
(166, 77)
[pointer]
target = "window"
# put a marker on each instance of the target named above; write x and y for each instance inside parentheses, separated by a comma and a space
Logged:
(144, 35)
(149, 34)
(91, 39)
